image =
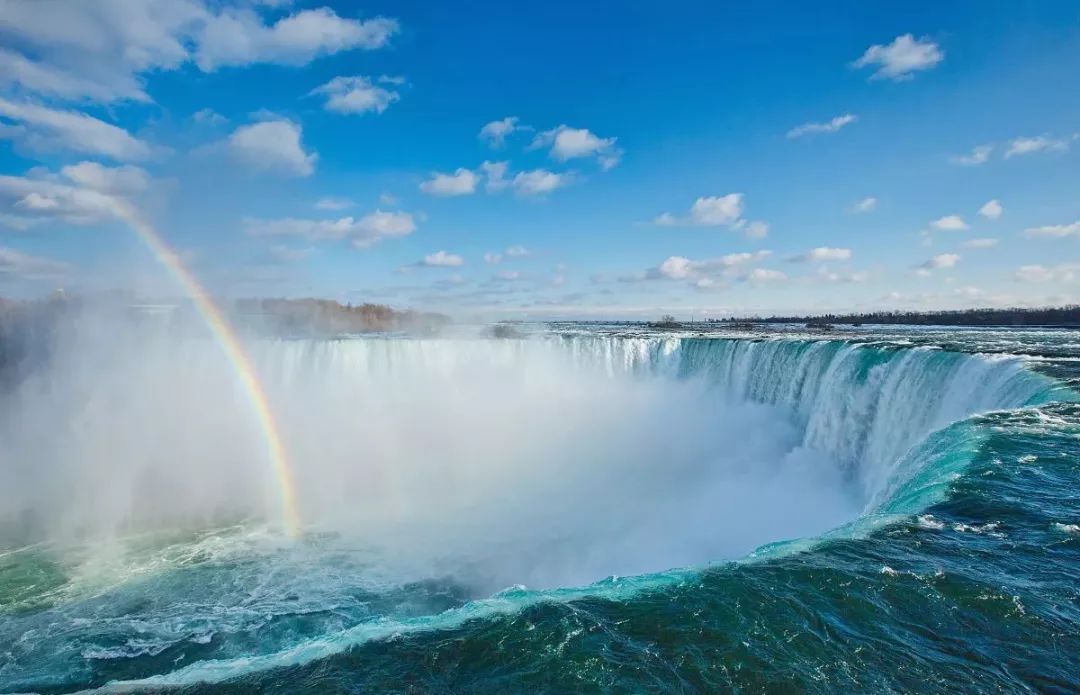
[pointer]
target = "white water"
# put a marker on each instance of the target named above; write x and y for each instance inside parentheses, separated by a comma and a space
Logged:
(864, 406)
(471, 465)
(548, 462)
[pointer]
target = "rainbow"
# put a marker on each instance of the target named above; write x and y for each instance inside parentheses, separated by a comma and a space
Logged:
(225, 335)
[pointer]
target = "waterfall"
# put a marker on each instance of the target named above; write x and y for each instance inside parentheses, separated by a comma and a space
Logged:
(864, 405)
(537, 445)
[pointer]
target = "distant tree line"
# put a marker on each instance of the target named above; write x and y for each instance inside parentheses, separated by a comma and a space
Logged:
(325, 317)
(666, 321)
(1066, 316)
(29, 329)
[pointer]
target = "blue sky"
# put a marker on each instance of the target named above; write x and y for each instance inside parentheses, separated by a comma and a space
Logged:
(619, 159)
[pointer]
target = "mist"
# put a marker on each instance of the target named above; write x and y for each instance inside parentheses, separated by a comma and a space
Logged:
(496, 462)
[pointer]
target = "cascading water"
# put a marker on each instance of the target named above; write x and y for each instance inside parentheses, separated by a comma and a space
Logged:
(433, 474)
(865, 406)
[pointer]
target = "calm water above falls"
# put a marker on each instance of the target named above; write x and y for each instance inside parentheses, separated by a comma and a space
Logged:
(585, 509)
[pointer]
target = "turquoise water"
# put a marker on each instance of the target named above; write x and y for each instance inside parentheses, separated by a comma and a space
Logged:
(955, 568)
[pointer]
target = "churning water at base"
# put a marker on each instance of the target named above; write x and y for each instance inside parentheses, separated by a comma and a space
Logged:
(511, 515)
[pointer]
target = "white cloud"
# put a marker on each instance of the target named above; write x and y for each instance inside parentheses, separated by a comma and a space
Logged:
(979, 154)
(42, 128)
(826, 275)
(1066, 272)
(41, 78)
(331, 203)
(208, 117)
(95, 50)
(571, 143)
(992, 209)
(507, 276)
(121, 180)
(496, 132)
(356, 94)
(27, 267)
(682, 268)
(610, 160)
(902, 58)
(942, 260)
(756, 230)
(539, 182)
(461, 182)
(387, 199)
(492, 258)
(496, 177)
(984, 243)
(716, 211)
(1054, 230)
(864, 205)
(1030, 145)
(101, 50)
(379, 225)
(442, 259)
(677, 268)
(821, 254)
(950, 223)
(273, 145)
(724, 210)
(362, 232)
(1016, 147)
(238, 37)
(36, 202)
(47, 198)
(760, 276)
(495, 173)
(517, 251)
(831, 126)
